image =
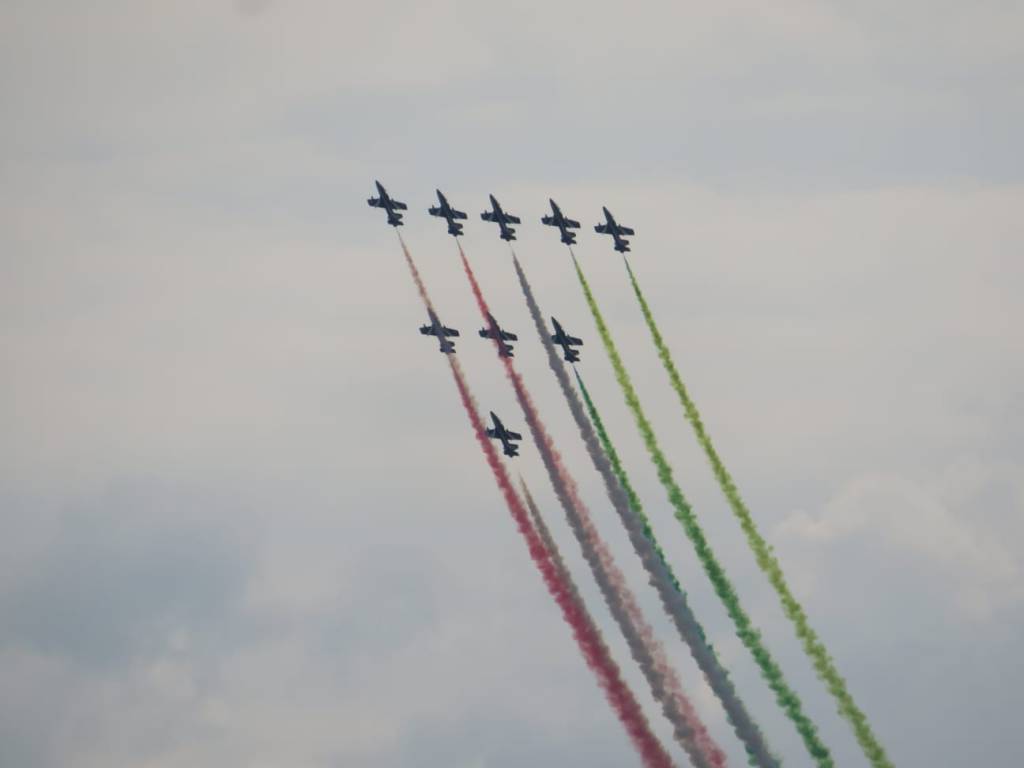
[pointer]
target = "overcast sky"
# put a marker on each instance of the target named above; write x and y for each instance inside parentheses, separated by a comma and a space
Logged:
(242, 518)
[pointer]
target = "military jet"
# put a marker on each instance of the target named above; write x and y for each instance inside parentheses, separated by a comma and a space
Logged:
(507, 437)
(388, 204)
(435, 328)
(502, 219)
(616, 230)
(556, 219)
(567, 342)
(446, 211)
(494, 331)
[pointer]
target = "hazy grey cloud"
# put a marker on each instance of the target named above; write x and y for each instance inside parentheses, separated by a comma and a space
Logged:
(125, 576)
(243, 521)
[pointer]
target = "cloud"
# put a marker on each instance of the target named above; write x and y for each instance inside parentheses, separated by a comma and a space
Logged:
(243, 519)
(126, 576)
(944, 524)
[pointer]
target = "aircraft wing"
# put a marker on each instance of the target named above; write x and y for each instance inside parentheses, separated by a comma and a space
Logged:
(626, 231)
(458, 214)
(487, 216)
(549, 220)
(510, 219)
(398, 206)
(572, 224)
(452, 332)
(602, 228)
(510, 435)
(491, 432)
(506, 336)
(573, 341)
(427, 330)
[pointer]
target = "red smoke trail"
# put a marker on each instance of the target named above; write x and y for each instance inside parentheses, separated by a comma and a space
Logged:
(588, 638)
(700, 746)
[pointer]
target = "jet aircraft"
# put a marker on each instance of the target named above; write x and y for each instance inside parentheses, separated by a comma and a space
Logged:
(494, 331)
(616, 230)
(435, 328)
(446, 211)
(564, 224)
(389, 204)
(506, 436)
(502, 219)
(567, 342)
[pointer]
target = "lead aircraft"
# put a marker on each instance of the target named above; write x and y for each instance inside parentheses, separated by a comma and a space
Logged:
(616, 230)
(389, 204)
(564, 224)
(447, 212)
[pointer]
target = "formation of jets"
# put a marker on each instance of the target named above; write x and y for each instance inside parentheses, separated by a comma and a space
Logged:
(493, 331)
(498, 334)
(504, 220)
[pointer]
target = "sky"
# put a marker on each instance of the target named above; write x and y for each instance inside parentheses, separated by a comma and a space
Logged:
(244, 519)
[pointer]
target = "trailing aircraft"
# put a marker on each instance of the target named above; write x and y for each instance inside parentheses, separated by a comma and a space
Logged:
(494, 331)
(446, 211)
(506, 436)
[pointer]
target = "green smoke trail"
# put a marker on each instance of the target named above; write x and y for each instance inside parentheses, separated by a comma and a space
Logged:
(813, 646)
(620, 473)
(748, 634)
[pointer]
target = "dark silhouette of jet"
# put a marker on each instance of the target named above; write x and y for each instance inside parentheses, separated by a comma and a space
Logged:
(566, 342)
(390, 205)
(502, 219)
(435, 328)
(446, 211)
(494, 331)
(506, 436)
(564, 224)
(616, 230)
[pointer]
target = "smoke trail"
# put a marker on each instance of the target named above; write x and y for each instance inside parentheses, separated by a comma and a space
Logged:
(549, 541)
(639, 636)
(680, 612)
(813, 646)
(751, 637)
(660, 575)
(585, 631)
